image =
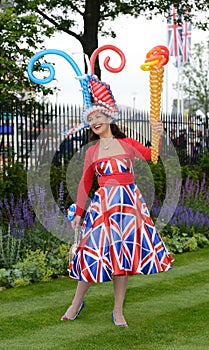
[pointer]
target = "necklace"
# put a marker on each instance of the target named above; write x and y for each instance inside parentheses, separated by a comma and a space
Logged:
(106, 146)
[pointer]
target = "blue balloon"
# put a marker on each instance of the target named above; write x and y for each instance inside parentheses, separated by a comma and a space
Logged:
(71, 212)
(82, 78)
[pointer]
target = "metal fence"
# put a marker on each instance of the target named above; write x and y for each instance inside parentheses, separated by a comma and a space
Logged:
(23, 125)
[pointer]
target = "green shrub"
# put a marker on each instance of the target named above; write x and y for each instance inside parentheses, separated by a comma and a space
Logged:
(173, 239)
(21, 282)
(33, 268)
(39, 237)
(5, 280)
(190, 245)
(202, 240)
(14, 180)
(36, 266)
(204, 164)
(181, 239)
(198, 170)
(58, 260)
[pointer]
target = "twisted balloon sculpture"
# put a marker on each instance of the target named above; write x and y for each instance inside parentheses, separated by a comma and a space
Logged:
(89, 82)
(156, 58)
(107, 59)
(50, 67)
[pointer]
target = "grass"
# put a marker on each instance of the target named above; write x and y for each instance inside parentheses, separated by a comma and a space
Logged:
(168, 311)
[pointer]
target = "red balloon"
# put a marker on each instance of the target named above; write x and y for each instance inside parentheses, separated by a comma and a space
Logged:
(107, 59)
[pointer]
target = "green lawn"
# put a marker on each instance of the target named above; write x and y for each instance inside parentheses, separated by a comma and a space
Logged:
(168, 311)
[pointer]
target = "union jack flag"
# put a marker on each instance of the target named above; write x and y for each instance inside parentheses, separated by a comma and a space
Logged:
(175, 43)
(179, 38)
(186, 35)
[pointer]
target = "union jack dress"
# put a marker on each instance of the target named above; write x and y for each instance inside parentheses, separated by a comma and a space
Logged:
(118, 236)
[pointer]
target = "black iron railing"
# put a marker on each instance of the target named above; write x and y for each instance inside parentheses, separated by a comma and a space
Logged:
(23, 125)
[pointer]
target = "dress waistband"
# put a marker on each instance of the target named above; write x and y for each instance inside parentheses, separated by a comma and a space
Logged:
(116, 180)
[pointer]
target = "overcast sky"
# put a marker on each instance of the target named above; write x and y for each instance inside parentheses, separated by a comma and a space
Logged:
(135, 37)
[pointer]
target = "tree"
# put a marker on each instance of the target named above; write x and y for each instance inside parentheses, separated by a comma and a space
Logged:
(21, 36)
(196, 72)
(84, 19)
(25, 23)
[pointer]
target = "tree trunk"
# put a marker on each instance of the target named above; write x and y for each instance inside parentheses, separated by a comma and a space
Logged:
(89, 40)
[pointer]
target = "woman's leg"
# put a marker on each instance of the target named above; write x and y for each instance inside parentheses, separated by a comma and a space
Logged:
(81, 290)
(120, 283)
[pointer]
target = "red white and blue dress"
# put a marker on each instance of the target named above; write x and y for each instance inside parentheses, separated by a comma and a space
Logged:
(118, 236)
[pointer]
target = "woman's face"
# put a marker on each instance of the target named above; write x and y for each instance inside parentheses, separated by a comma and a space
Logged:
(100, 124)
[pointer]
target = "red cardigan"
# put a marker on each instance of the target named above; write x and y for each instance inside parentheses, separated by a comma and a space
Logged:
(133, 149)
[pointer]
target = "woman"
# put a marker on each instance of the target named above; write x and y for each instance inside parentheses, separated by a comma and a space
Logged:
(118, 237)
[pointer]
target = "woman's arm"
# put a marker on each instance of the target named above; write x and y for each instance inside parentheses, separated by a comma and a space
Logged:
(143, 152)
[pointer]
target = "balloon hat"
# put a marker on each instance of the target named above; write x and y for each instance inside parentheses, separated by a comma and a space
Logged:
(92, 87)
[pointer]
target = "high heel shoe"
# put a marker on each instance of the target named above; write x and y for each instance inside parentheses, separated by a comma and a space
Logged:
(118, 324)
(65, 318)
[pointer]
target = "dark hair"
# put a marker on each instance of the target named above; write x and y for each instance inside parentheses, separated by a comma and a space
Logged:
(117, 133)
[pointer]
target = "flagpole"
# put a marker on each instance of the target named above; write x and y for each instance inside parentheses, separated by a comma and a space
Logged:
(166, 85)
(166, 93)
(178, 90)
(182, 95)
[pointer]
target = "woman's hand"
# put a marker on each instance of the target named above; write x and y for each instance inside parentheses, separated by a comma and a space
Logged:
(157, 126)
(75, 223)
